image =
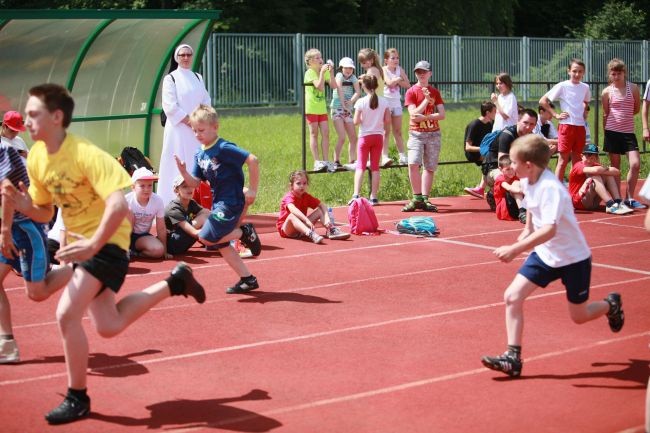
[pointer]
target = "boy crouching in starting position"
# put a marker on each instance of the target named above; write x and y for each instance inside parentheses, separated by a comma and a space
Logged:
(220, 163)
(560, 251)
(87, 184)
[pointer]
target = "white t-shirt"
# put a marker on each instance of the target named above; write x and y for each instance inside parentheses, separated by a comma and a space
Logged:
(55, 232)
(645, 191)
(143, 216)
(549, 202)
(572, 98)
(18, 144)
(508, 103)
(372, 121)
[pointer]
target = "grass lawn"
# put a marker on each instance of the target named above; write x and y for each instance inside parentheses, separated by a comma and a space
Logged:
(277, 142)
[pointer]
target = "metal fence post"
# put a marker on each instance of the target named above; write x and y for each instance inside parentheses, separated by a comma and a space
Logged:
(455, 66)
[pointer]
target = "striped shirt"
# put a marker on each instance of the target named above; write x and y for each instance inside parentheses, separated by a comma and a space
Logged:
(621, 110)
(13, 168)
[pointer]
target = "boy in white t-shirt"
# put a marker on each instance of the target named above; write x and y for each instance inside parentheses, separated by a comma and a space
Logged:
(574, 97)
(560, 252)
(145, 206)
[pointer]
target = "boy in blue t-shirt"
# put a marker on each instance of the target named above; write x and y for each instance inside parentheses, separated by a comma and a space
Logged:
(220, 163)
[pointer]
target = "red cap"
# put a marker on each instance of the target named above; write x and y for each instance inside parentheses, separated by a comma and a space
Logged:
(14, 121)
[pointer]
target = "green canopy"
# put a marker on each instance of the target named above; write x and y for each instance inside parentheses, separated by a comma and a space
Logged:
(112, 61)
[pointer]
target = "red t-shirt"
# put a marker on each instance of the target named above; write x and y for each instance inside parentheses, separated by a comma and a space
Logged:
(303, 203)
(500, 197)
(577, 178)
(414, 96)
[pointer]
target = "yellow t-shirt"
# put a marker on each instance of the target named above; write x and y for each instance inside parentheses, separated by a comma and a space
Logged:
(78, 178)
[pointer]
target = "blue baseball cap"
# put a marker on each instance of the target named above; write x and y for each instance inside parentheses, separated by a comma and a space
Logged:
(590, 149)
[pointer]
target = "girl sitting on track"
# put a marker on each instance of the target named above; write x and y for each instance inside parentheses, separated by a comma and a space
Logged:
(294, 220)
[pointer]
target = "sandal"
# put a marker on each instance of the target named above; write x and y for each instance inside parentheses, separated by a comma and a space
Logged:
(428, 206)
(410, 206)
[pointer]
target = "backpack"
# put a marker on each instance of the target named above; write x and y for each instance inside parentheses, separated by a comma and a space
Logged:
(131, 158)
(361, 217)
(418, 225)
(163, 115)
(490, 138)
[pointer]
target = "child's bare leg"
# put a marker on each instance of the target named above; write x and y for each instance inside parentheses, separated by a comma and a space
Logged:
(54, 280)
(415, 178)
(234, 261)
(397, 133)
(352, 141)
(294, 225)
(615, 161)
(325, 139)
(606, 187)
(5, 308)
(427, 181)
(313, 140)
(519, 289)
(581, 313)
(339, 126)
(562, 162)
(374, 184)
(634, 160)
(111, 318)
(386, 144)
(150, 246)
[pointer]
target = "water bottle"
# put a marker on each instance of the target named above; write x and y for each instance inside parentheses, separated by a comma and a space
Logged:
(330, 212)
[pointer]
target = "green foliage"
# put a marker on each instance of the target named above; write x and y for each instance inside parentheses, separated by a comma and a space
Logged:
(616, 20)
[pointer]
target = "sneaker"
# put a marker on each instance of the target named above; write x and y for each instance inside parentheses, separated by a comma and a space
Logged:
(191, 287)
(522, 216)
(315, 237)
(351, 166)
(426, 205)
(9, 352)
(412, 205)
(403, 159)
(386, 161)
(489, 197)
(618, 209)
(250, 239)
(354, 197)
(505, 363)
(333, 166)
(615, 315)
(320, 166)
(476, 192)
(374, 202)
(71, 409)
(245, 284)
(335, 233)
(633, 204)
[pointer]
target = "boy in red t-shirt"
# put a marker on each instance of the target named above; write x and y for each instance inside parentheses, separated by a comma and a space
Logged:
(590, 182)
(426, 109)
(508, 193)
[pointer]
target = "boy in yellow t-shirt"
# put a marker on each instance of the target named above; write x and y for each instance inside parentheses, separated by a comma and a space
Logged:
(87, 184)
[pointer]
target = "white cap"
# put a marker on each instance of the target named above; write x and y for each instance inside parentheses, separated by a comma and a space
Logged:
(346, 62)
(178, 181)
(143, 173)
(422, 65)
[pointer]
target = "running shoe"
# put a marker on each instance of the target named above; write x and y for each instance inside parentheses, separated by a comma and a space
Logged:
(71, 409)
(633, 204)
(505, 363)
(335, 233)
(9, 352)
(615, 315)
(476, 192)
(245, 284)
(250, 238)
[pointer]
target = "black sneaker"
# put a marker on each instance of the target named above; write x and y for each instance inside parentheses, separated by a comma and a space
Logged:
(250, 239)
(505, 363)
(615, 315)
(191, 287)
(72, 409)
(244, 285)
(522, 216)
(489, 197)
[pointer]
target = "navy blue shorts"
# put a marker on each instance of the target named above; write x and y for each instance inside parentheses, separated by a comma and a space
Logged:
(222, 221)
(29, 239)
(576, 277)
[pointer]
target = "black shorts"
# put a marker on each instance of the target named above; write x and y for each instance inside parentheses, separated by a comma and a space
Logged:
(52, 247)
(135, 237)
(109, 266)
(474, 157)
(487, 167)
(511, 205)
(178, 241)
(620, 142)
(576, 277)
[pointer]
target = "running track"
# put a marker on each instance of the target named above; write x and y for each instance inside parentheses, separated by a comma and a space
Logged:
(374, 334)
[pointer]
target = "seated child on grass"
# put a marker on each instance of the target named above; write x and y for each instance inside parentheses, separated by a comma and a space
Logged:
(590, 182)
(184, 218)
(145, 206)
(508, 193)
(294, 220)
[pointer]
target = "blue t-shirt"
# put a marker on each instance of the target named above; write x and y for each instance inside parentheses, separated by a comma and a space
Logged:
(221, 165)
(13, 168)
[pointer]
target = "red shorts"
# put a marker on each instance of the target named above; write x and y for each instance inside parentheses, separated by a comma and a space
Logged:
(316, 118)
(571, 138)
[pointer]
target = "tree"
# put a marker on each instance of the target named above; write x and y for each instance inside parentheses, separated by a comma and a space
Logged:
(616, 20)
